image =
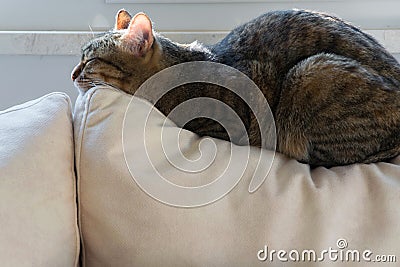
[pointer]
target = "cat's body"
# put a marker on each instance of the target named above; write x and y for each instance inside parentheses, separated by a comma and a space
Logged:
(333, 90)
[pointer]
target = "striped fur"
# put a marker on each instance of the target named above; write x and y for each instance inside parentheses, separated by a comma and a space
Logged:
(333, 90)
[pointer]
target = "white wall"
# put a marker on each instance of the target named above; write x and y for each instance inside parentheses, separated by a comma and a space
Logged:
(79, 14)
(24, 77)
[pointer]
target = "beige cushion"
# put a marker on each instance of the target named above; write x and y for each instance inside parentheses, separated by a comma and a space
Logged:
(38, 221)
(121, 225)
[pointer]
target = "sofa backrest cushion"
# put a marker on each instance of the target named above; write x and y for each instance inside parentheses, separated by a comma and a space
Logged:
(345, 208)
(38, 215)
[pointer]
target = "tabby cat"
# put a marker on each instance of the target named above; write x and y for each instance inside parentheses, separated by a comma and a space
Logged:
(334, 91)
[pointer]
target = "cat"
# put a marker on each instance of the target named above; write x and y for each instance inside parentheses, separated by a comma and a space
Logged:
(334, 91)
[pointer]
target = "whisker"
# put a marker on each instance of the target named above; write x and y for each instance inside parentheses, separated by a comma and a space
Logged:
(91, 30)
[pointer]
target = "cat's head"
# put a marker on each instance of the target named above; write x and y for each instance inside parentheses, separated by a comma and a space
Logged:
(123, 58)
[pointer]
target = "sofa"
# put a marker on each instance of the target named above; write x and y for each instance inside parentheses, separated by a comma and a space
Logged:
(108, 183)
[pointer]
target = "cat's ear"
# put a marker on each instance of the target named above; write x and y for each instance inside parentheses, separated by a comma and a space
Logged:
(122, 20)
(139, 36)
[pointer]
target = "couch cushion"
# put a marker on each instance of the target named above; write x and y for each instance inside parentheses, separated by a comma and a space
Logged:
(38, 215)
(126, 221)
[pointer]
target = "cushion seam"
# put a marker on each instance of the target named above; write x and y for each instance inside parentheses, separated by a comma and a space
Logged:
(75, 195)
(82, 129)
(35, 102)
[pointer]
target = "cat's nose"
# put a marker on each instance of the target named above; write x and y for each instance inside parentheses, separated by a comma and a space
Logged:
(77, 71)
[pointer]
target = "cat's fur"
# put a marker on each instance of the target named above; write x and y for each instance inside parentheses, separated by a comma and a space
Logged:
(334, 91)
